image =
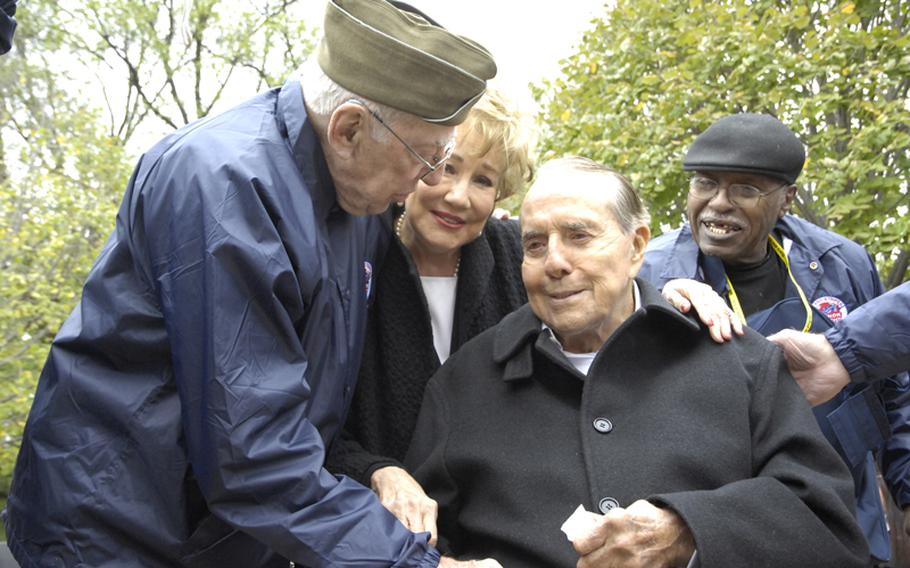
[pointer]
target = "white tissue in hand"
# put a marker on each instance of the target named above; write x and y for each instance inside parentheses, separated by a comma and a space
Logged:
(579, 523)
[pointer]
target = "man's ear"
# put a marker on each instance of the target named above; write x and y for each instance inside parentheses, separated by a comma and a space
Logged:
(640, 239)
(347, 128)
(789, 196)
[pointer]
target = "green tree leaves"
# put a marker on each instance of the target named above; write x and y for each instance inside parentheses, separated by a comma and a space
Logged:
(650, 75)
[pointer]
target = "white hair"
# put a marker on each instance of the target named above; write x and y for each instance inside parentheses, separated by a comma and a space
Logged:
(323, 96)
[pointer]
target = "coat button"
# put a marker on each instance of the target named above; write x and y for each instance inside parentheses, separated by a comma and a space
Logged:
(603, 425)
(813, 265)
(607, 504)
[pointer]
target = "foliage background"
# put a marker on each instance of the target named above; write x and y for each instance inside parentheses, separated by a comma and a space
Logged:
(652, 74)
(90, 83)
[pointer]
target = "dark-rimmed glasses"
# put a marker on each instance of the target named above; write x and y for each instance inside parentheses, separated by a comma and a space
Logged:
(431, 166)
(739, 194)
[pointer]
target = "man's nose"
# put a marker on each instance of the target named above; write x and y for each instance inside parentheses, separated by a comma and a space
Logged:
(721, 199)
(557, 263)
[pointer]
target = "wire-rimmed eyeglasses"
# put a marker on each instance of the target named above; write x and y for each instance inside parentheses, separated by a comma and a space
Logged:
(739, 194)
(436, 162)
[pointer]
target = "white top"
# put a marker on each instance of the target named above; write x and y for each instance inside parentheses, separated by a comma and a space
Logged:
(440, 295)
(582, 361)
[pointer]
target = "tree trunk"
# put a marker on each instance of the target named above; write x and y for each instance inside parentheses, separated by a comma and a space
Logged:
(899, 270)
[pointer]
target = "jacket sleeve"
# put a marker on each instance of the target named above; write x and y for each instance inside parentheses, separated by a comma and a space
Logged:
(232, 306)
(873, 342)
(426, 461)
(895, 456)
(868, 341)
(801, 492)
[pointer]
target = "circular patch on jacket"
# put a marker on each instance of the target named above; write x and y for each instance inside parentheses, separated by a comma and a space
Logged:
(832, 307)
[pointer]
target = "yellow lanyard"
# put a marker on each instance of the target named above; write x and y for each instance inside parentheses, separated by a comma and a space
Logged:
(734, 300)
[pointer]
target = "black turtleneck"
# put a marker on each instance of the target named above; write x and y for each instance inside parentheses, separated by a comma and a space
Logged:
(761, 285)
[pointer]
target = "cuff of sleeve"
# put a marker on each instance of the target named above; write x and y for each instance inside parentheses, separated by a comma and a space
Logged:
(378, 464)
(352, 461)
(431, 559)
(845, 352)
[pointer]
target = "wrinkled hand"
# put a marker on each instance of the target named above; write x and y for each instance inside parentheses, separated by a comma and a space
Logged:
(712, 310)
(640, 536)
(813, 363)
(447, 562)
(404, 497)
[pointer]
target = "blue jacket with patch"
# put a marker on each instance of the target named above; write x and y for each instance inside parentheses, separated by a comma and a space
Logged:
(183, 413)
(837, 276)
(875, 341)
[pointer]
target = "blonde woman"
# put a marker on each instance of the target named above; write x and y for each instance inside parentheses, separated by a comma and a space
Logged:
(451, 273)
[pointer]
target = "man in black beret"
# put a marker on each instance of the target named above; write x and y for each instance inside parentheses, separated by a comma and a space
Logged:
(7, 24)
(184, 411)
(777, 271)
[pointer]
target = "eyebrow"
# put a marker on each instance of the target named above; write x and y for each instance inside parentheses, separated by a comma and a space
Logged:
(530, 235)
(488, 168)
(577, 225)
(443, 142)
(566, 226)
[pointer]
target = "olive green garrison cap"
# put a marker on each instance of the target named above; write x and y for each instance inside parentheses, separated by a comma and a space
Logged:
(393, 54)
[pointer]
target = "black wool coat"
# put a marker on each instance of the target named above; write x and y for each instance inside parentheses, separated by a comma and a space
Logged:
(512, 438)
(399, 357)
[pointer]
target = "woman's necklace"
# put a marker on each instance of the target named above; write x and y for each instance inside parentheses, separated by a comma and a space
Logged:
(398, 224)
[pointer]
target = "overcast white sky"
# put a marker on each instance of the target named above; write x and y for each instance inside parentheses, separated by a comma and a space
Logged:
(527, 38)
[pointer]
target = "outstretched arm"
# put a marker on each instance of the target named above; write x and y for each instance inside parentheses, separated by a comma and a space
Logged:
(813, 363)
(871, 343)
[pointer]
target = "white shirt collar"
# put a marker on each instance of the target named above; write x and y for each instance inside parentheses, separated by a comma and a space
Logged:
(582, 361)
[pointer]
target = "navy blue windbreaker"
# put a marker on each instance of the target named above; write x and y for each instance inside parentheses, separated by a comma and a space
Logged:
(837, 276)
(874, 341)
(183, 413)
(7, 24)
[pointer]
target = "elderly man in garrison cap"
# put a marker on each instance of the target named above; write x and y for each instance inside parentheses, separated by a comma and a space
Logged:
(777, 271)
(184, 410)
(7, 24)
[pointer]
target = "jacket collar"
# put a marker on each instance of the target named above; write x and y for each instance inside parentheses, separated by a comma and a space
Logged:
(519, 333)
(816, 242)
(683, 261)
(294, 123)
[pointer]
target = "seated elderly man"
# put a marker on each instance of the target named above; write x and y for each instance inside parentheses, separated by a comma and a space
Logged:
(598, 392)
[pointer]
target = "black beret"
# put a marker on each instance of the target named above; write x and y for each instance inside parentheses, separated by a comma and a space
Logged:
(751, 143)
